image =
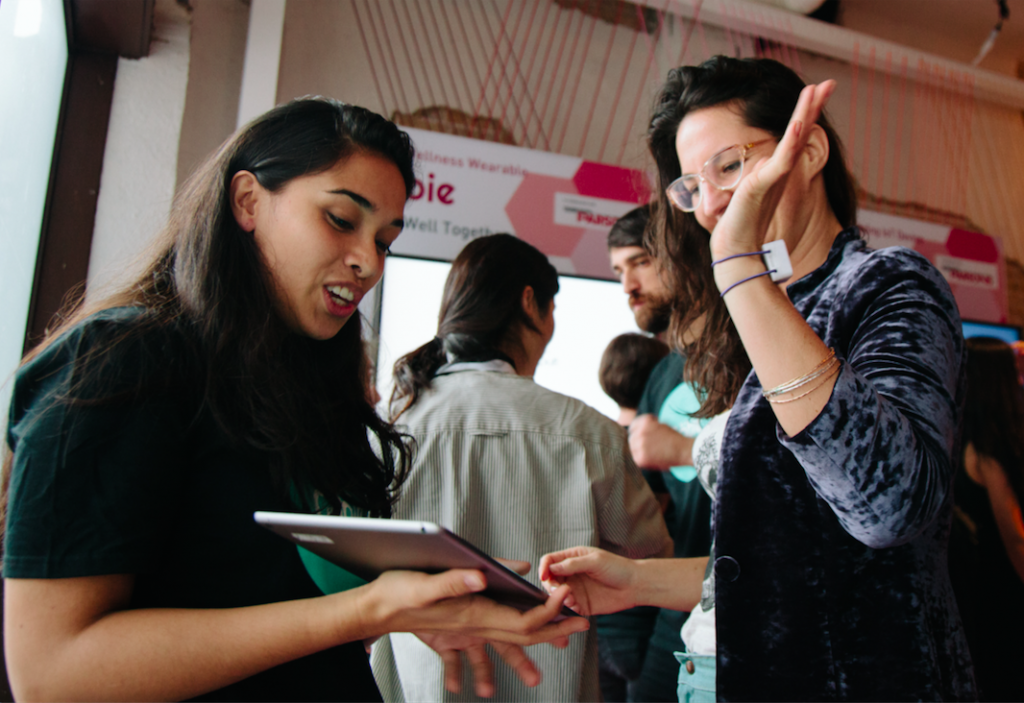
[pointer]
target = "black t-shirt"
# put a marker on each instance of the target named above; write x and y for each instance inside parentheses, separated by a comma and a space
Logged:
(152, 487)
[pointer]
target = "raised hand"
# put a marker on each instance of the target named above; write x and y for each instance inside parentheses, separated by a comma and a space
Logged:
(744, 224)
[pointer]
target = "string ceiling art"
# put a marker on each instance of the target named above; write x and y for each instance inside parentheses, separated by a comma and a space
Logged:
(926, 138)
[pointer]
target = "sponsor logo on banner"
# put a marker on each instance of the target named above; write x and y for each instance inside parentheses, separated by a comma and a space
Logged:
(574, 210)
(881, 230)
(964, 272)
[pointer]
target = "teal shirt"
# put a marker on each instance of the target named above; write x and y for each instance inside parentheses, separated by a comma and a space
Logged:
(328, 576)
(677, 412)
(672, 400)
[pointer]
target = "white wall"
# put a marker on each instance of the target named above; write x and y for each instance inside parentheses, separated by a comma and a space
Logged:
(588, 315)
(140, 161)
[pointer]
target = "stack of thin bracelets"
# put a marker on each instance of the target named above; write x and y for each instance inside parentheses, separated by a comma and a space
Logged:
(825, 370)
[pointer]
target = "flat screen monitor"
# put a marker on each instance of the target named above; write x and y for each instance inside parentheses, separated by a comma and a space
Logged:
(588, 315)
(1007, 333)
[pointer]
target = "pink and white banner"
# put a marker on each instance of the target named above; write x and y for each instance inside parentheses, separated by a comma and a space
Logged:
(971, 262)
(565, 206)
(562, 205)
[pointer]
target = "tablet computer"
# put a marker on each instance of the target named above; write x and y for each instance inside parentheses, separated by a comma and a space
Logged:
(370, 546)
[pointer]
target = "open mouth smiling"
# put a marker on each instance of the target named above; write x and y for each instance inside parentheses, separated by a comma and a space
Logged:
(343, 295)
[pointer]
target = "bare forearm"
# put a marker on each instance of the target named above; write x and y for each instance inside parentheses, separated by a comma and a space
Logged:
(74, 638)
(670, 583)
(1007, 513)
(174, 654)
(780, 344)
(657, 446)
(1013, 542)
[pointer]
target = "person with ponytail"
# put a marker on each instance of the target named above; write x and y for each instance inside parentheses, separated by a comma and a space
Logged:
(514, 468)
(227, 377)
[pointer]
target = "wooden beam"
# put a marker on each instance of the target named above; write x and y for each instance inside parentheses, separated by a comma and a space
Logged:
(119, 27)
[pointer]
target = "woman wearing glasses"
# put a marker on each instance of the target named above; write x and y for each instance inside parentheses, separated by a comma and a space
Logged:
(835, 466)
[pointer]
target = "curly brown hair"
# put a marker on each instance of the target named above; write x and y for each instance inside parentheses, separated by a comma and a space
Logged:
(764, 92)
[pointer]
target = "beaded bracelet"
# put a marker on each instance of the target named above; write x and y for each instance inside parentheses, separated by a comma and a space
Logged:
(823, 367)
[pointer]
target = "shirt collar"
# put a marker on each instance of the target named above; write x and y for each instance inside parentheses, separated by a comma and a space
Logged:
(846, 238)
(493, 366)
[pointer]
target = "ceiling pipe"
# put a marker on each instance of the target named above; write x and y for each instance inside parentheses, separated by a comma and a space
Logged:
(804, 7)
(844, 44)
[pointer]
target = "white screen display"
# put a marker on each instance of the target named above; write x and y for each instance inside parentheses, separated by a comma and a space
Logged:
(33, 57)
(588, 315)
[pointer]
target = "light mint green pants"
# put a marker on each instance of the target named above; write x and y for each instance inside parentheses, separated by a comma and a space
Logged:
(697, 686)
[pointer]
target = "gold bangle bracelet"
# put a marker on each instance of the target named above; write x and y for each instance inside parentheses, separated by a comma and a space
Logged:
(837, 367)
(823, 366)
(813, 376)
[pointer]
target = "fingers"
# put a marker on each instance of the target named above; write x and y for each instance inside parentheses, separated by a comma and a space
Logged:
(417, 602)
(536, 617)
(515, 657)
(535, 625)
(454, 583)
(544, 614)
(544, 568)
(807, 111)
(642, 421)
(822, 92)
(559, 642)
(483, 670)
(811, 102)
(520, 567)
(583, 563)
(547, 561)
(452, 669)
(557, 633)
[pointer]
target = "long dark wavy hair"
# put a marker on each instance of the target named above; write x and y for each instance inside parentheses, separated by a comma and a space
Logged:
(481, 311)
(301, 401)
(994, 409)
(764, 93)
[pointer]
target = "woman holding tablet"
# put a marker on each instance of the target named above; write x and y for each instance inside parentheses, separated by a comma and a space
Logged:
(833, 492)
(510, 466)
(227, 378)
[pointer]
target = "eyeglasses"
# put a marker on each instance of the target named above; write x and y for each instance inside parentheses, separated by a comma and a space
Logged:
(723, 170)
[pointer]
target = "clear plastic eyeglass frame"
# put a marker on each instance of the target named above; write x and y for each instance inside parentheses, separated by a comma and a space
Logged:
(724, 171)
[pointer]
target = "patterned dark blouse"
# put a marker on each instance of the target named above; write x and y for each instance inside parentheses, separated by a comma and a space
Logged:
(832, 580)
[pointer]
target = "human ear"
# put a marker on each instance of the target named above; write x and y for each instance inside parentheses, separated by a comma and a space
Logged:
(816, 150)
(530, 306)
(244, 192)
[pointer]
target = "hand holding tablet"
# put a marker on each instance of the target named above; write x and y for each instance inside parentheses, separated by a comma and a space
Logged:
(368, 547)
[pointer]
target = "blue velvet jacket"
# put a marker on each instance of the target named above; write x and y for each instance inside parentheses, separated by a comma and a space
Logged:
(831, 572)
